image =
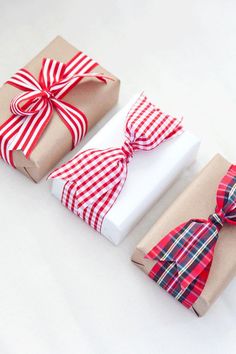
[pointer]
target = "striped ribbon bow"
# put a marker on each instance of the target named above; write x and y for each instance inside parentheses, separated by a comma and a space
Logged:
(94, 178)
(33, 109)
(183, 258)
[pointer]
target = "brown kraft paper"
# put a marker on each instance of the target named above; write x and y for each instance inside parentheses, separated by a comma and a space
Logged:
(197, 201)
(92, 97)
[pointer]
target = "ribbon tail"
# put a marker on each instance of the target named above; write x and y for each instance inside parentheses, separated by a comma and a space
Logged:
(80, 64)
(94, 181)
(73, 118)
(61, 88)
(8, 130)
(226, 196)
(148, 126)
(95, 211)
(76, 78)
(183, 260)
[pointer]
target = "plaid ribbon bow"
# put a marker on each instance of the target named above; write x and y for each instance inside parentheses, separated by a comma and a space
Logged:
(94, 178)
(33, 109)
(183, 258)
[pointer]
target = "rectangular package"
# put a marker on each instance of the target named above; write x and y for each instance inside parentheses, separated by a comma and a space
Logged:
(149, 175)
(93, 98)
(197, 201)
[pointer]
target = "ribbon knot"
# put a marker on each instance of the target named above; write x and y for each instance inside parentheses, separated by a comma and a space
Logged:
(184, 256)
(217, 219)
(94, 178)
(33, 109)
(48, 94)
(128, 150)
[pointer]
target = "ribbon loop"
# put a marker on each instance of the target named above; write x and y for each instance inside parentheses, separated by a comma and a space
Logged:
(96, 177)
(24, 81)
(35, 98)
(184, 256)
(52, 72)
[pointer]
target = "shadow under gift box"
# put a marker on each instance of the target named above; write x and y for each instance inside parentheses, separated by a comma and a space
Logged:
(93, 98)
(150, 173)
(197, 201)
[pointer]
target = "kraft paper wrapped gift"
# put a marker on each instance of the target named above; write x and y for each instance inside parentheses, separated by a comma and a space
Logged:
(92, 97)
(150, 173)
(197, 201)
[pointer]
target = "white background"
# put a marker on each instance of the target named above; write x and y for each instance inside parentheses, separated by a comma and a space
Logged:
(63, 288)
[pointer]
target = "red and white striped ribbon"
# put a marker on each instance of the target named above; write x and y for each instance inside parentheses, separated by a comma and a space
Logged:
(33, 109)
(94, 178)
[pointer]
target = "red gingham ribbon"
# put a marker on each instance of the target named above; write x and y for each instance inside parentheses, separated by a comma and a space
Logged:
(94, 178)
(33, 109)
(183, 258)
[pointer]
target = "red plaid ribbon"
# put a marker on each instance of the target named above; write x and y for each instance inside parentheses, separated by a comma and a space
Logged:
(183, 258)
(33, 109)
(94, 178)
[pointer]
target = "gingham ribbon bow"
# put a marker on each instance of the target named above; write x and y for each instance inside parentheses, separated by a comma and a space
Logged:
(183, 258)
(33, 109)
(94, 178)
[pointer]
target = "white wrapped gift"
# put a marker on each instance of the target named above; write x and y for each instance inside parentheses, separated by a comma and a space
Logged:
(149, 174)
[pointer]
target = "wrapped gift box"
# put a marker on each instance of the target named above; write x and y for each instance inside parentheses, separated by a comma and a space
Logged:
(93, 98)
(149, 176)
(197, 201)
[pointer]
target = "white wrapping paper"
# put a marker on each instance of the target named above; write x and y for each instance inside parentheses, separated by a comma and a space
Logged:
(149, 174)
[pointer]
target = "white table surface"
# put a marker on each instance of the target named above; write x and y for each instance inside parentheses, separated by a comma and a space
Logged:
(63, 288)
